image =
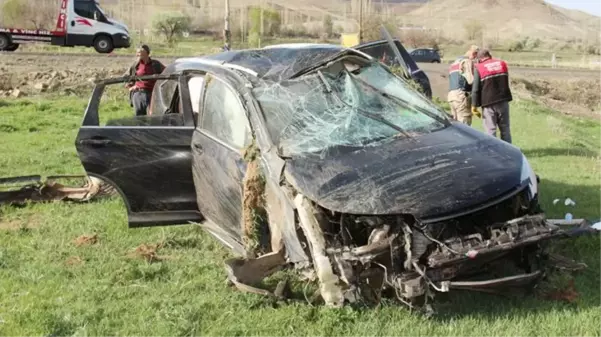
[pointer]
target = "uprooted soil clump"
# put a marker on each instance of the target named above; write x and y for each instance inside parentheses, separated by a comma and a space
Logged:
(86, 240)
(253, 202)
(148, 252)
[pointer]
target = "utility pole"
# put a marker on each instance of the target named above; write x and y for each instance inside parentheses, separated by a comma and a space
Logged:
(360, 21)
(226, 28)
(261, 19)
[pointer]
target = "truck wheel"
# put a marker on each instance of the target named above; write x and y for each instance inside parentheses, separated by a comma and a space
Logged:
(4, 42)
(12, 47)
(103, 44)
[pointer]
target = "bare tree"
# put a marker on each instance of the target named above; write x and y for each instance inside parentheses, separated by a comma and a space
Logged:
(473, 30)
(29, 14)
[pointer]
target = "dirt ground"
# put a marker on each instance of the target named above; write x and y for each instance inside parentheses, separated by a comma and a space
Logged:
(35, 73)
(438, 74)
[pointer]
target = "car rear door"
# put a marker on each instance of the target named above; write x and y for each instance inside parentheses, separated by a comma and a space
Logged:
(147, 158)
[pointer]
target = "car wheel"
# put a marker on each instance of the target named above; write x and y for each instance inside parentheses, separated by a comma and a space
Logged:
(4, 42)
(12, 47)
(103, 44)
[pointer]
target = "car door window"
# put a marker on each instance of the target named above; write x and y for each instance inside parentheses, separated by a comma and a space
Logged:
(223, 115)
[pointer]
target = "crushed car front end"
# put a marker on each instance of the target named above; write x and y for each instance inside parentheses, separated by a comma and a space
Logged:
(498, 247)
(390, 197)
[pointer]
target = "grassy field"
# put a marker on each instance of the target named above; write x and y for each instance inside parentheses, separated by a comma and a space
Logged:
(50, 286)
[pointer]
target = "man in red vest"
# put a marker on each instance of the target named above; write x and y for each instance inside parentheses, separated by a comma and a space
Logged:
(460, 86)
(491, 92)
(140, 92)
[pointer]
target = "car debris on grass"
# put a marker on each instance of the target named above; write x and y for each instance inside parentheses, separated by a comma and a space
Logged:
(22, 189)
(317, 158)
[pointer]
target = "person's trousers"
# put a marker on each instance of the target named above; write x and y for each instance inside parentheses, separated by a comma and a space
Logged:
(461, 106)
(141, 101)
(497, 115)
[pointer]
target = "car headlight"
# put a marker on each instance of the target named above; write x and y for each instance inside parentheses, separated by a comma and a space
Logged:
(528, 174)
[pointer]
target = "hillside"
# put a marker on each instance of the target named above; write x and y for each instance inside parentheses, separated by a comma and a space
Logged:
(506, 19)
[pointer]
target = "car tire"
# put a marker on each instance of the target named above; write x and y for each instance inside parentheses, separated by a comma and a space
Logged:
(12, 47)
(4, 42)
(103, 44)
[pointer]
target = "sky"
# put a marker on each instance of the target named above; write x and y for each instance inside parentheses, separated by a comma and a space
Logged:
(589, 6)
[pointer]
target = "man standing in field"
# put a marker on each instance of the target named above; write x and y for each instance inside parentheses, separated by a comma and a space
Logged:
(140, 92)
(491, 92)
(461, 76)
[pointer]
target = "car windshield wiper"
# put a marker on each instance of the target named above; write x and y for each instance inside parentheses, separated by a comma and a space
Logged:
(366, 113)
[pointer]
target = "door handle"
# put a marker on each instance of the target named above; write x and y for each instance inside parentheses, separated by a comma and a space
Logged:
(72, 23)
(96, 142)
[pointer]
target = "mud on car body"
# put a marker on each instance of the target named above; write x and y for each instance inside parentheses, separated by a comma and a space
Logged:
(318, 158)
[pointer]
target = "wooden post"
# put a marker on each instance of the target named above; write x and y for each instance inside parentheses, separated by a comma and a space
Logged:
(261, 31)
(226, 28)
(360, 21)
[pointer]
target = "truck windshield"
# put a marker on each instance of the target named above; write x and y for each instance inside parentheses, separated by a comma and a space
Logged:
(344, 105)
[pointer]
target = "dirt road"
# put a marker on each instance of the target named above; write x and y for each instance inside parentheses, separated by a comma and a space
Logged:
(439, 81)
(18, 65)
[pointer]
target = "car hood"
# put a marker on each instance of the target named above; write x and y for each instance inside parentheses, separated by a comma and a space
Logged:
(434, 174)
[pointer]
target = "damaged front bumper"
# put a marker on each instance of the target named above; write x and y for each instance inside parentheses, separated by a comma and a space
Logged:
(403, 260)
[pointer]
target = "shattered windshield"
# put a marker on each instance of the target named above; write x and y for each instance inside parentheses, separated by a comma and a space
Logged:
(344, 104)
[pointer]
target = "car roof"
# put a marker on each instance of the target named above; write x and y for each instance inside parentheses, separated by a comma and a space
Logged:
(276, 62)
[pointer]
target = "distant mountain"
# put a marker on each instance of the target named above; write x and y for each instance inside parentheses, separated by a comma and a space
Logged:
(506, 18)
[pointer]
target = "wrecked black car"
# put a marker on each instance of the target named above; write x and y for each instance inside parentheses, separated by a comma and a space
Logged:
(318, 158)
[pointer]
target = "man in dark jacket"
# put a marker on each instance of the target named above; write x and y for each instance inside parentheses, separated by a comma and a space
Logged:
(140, 92)
(491, 92)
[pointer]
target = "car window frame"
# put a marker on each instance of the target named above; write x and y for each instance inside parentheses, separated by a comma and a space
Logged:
(92, 113)
(212, 135)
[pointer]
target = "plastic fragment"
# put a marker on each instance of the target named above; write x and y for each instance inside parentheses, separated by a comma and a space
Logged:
(471, 254)
(597, 226)
(569, 202)
(569, 216)
(555, 201)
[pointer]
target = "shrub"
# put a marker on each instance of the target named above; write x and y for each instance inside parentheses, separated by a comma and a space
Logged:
(516, 46)
(171, 25)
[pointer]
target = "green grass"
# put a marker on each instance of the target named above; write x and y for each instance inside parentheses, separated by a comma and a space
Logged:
(111, 293)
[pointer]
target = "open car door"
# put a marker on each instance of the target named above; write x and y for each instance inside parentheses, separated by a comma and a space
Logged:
(392, 53)
(146, 158)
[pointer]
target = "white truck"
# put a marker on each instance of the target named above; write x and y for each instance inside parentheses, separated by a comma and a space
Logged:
(79, 23)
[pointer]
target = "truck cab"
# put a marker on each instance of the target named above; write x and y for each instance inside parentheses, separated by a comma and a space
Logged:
(79, 23)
